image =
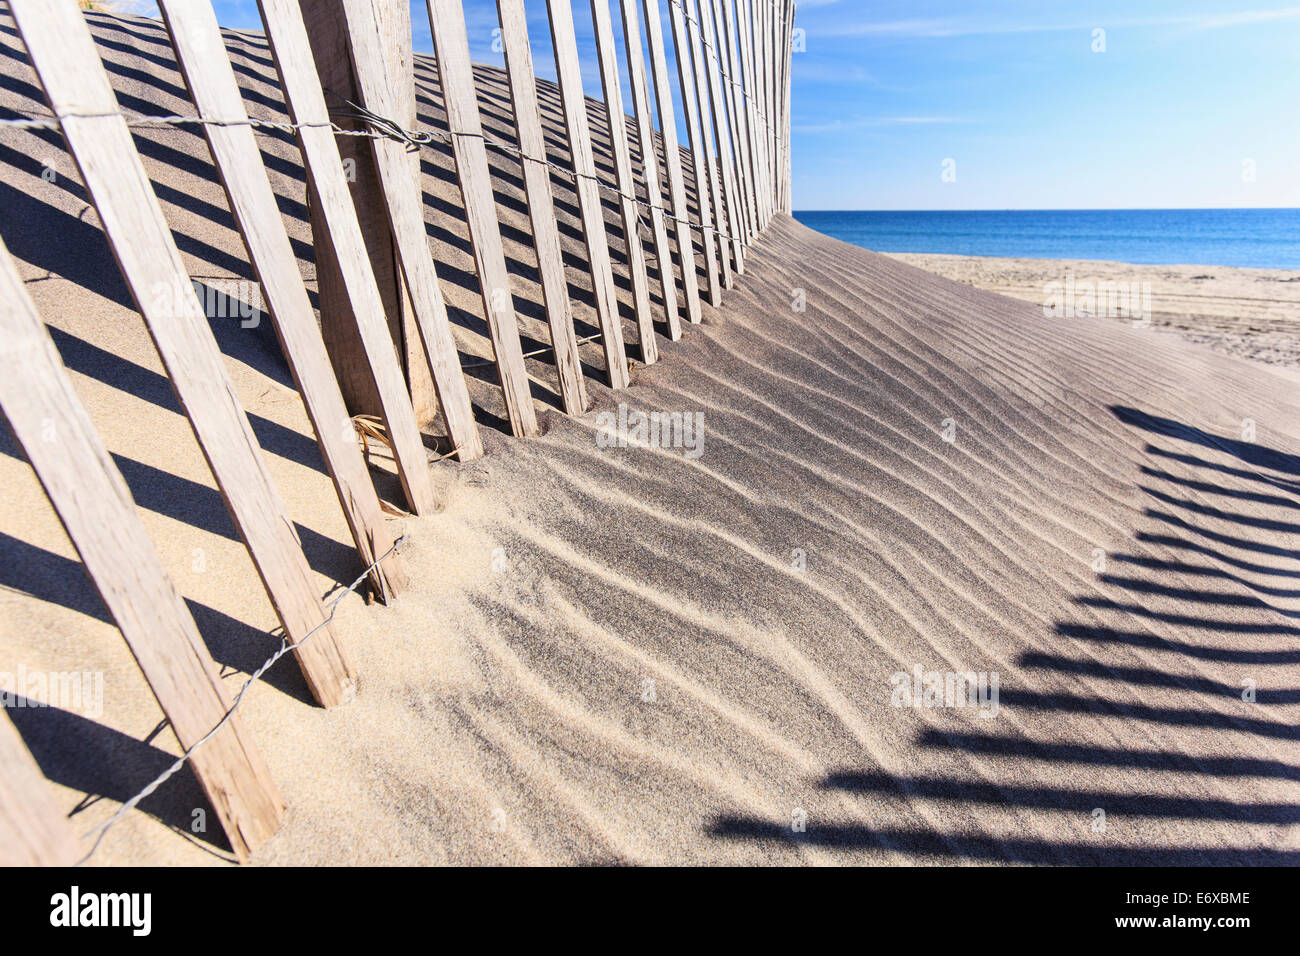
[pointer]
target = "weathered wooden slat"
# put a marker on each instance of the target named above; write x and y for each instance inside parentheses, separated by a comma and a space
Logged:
(541, 203)
(306, 104)
(211, 80)
(784, 15)
(565, 44)
(709, 137)
(327, 33)
(460, 98)
(64, 56)
(672, 157)
(745, 18)
(691, 106)
(32, 831)
(726, 145)
(765, 91)
(761, 54)
(787, 116)
(622, 156)
(399, 175)
(770, 90)
(742, 125)
(96, 509)
(645, 127)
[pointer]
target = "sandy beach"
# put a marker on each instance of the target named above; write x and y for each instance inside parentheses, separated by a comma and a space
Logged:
(620, 654)
(1254, 313)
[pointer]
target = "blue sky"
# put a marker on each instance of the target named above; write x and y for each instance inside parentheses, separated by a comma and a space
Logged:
(1193, 103)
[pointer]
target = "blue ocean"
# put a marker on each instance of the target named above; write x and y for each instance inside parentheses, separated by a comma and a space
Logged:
(1260, 238)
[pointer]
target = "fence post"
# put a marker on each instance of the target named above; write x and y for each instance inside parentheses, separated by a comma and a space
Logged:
(327, 35)
(541, 202)
(456, 77)
(32, 831)
(402, 199)
(95, 506)
(645, 133)
(211, 81)
(569, 70)
(621, 155)
(76, 85)
(672, 158)
(305, 101)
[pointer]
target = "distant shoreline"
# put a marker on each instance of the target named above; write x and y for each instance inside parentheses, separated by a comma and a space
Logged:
(1248, 312)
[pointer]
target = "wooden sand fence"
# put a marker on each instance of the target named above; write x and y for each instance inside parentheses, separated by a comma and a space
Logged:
(733, 79)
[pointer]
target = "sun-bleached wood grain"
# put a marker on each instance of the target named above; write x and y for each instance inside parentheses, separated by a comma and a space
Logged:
(95, 506)
(541, 203)
(622, 156)
(305, 101)
(460, 99)
(672, 157)
(200, 52)
(76, 85)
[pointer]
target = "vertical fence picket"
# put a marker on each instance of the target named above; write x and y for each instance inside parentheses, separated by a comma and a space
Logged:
(753, 87)
(672, 157)
(725, 166)
(755, 108)
(456, 78)
(699, 65)
(565, 44)
(610, 82)
(200, 52)
(650, 164)
(541, 203)
(691, 107)
(740, 120)
(95, 506)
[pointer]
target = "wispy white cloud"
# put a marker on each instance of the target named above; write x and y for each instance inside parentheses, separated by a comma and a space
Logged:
(934, 28)
(866, 122)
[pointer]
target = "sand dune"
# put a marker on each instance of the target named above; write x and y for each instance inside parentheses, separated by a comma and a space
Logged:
(635, 655)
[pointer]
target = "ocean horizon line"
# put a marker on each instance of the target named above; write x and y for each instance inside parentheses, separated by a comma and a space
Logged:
(1254, 237)
(1072, 209)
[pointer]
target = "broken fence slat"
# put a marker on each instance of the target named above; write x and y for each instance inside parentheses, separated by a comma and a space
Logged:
(305, 102)
(404, 204)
